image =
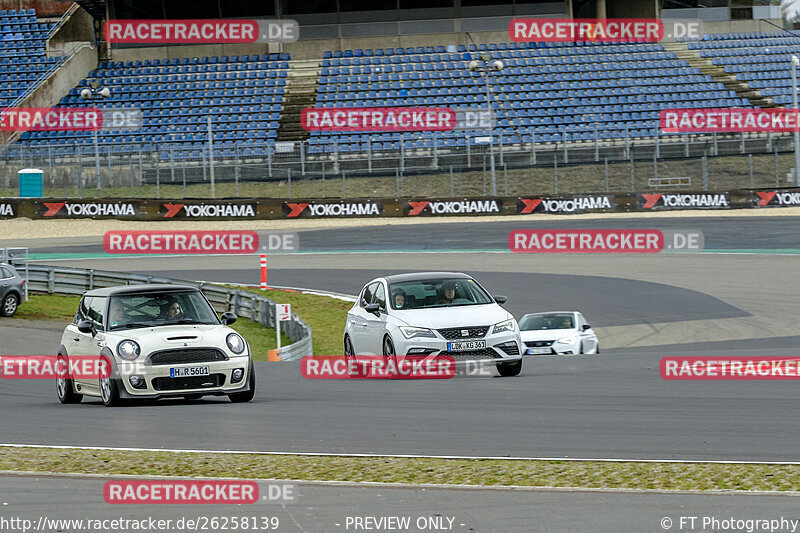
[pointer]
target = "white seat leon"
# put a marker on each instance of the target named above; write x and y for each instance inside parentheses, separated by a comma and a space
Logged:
(558, 333)
(434, 314)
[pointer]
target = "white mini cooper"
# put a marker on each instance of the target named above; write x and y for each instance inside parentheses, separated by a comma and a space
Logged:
(162, 341)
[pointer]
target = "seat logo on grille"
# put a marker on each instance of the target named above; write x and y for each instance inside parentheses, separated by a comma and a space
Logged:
(465, 333)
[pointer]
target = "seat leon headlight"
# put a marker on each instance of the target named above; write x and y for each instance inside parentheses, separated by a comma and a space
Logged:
(567, 340)
(507, 325)
(412, 332)
(128, 350)
(235, 343)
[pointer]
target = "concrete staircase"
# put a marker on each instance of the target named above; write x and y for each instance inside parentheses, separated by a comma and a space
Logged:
(718, 73)
(302, 81)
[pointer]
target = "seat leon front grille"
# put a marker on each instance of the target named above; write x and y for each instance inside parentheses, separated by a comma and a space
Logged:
(471, 332)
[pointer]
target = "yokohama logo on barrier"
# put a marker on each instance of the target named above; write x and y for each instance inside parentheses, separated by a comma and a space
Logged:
(87, 209)
(51, 119)
(684, 201)
(8, 210)
(454, 207)
(338, 209)
(775, 198)
(185, 210)
(578, 204)
(730, 120)
(378, 119)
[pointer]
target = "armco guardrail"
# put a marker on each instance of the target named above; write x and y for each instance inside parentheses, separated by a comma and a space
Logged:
(74, 281)
(410, 206)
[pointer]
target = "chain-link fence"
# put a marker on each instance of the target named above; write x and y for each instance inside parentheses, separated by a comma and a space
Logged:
(414, 165)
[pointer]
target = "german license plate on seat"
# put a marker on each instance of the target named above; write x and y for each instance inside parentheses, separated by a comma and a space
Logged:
(539, 351)
(465, 345)
(189, 371)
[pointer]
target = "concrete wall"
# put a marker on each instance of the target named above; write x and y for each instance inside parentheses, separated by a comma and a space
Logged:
(626, 9)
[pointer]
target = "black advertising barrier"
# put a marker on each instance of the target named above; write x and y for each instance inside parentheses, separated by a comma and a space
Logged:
(566, 205)
(9, 208)
(658, 201)
(452, 206)
(776, 198)
(332, 208)
(208, 209)
(281, 208)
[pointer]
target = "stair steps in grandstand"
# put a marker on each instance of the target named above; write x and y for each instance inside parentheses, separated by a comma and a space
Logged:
(301, 92)
(717, 72)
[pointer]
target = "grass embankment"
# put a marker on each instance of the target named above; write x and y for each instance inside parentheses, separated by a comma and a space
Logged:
(478, 472)
(723, 172)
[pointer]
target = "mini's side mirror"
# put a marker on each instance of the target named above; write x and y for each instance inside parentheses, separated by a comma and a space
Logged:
(500, 299)
(86, 326)
(586, 326)
(229, 318)
(375, 309)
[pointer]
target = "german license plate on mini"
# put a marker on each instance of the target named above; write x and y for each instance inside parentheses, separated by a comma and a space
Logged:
(539, 351)
(189, 371)
(465, 345)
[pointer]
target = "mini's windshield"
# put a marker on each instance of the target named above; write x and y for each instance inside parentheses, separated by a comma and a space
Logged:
(441, 292)
(548, 321)
(159, 309)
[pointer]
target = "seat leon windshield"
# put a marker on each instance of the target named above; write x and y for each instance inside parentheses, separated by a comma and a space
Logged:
(548, 321)
(143, 310)
(440, 292)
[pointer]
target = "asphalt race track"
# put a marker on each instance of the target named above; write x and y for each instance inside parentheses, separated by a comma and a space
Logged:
(743, 301)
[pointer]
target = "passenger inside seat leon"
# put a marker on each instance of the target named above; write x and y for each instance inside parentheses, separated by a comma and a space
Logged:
(448, 292)
(399, 299)
(566, 323)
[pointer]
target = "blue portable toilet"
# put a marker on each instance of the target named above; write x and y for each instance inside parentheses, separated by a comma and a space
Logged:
(31, 183)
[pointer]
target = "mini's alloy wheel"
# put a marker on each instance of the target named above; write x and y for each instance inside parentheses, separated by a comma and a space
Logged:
(65, 389)
(244, 397)
(10, 303)
(109, 392)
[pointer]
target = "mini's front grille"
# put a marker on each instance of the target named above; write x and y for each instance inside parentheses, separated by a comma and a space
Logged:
(452, 334)
(193, 382)
(472, 354)
(187, 356)
(538, 344)
(510, 349)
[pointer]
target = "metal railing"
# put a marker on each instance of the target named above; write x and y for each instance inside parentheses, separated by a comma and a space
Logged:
(75, 281)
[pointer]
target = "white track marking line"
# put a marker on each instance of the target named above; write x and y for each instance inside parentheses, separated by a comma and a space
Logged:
(397, 456)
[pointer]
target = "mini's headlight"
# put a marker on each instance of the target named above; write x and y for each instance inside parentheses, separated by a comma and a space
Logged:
(235, 342)
(567, 340)
(410, 332)
(507, 325)
(128, 350)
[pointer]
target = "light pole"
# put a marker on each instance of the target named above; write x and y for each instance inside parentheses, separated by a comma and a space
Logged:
(795, 62)
(484, 66)
(89, 93)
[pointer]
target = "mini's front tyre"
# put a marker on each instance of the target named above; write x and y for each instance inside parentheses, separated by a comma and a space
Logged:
(109, 392)
(507, 370)
(65, 389)
(244, 397)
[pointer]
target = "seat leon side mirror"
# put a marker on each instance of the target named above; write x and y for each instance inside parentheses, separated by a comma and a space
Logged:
(500, 299)
(375, 309)
(229, 318)
(586, 326)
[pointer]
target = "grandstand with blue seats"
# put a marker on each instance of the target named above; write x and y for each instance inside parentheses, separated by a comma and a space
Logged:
(242, 94)
(22, 53)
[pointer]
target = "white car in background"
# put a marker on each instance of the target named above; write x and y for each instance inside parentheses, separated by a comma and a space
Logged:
(436, 314)
(558, 333)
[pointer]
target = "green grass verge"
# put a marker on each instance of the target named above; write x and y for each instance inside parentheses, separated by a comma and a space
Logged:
(62, 308)
(325, 315)
(479, 472)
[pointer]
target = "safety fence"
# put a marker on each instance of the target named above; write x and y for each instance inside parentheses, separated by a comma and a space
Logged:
(75, 281)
